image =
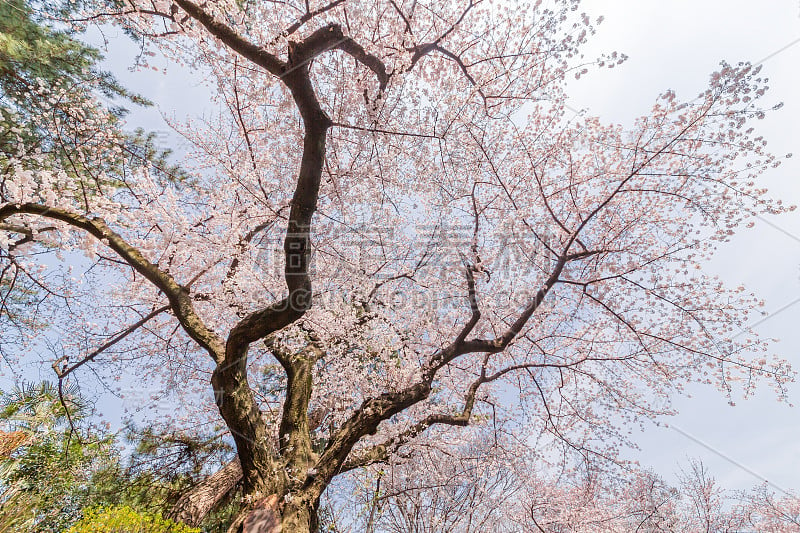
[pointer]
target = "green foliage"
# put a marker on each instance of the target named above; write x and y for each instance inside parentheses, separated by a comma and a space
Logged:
(126, 520)
(51, 117)
(32, 48)
(164, 463)
(46, 72)
(49, 85)
(32, 406)
(45, 473)
(58, 472)
(55, 464)
(58, 465)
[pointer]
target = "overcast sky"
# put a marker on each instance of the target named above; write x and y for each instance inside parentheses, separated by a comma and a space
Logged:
(676, 44)
(672, 44)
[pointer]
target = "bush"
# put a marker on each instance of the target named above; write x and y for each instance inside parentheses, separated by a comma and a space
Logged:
(126, 520)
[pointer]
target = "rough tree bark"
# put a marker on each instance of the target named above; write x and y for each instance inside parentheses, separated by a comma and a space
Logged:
(198, 501)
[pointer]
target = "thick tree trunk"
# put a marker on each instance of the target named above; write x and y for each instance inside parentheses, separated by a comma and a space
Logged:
(196, 503)
(299, 515)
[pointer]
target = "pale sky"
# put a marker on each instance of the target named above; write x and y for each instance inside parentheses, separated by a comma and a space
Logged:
(671, 44)
(676, 44)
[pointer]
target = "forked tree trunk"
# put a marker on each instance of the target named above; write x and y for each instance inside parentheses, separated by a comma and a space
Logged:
(268, 515)
(193, 506)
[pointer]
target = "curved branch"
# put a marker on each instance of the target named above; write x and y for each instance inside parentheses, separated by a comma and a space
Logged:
(234, 396)
(375, 410)
(236, 42)
(331, 37)
(381, 452)
(178, 296)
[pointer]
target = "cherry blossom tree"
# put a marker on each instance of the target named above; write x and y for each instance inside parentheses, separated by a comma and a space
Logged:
(392, 228)
(470, 494)
(642, 501)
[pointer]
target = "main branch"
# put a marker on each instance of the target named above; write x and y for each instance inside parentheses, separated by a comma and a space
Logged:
(178, 296)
